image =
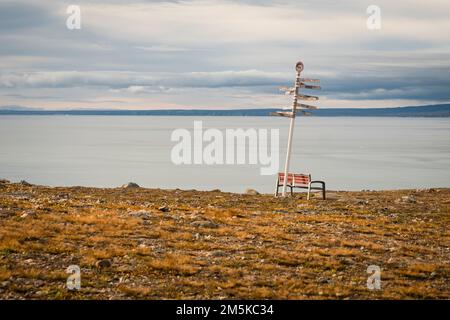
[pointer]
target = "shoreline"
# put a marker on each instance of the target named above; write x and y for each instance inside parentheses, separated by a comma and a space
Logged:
(244, 189)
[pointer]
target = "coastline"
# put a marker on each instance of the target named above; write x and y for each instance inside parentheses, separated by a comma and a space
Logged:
(173, 244)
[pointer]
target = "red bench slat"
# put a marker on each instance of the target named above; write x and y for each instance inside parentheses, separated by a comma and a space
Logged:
(299, 179)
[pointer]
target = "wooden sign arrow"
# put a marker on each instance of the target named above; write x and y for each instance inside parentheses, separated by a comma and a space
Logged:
(305, 106)
(306, 86)
(283, 114)
(306, 97)
(309, 80)
(287, 90)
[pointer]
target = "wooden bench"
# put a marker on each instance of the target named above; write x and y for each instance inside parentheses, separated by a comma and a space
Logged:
(303, 181)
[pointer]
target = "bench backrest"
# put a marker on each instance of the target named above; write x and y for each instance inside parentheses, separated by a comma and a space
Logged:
(295, 179)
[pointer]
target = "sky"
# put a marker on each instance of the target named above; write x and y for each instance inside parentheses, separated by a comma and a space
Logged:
(223, 54)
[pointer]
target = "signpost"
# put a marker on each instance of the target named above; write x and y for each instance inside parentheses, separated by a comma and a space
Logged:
(299, 83)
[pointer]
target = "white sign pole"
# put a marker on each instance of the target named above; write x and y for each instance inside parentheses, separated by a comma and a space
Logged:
(299, 68)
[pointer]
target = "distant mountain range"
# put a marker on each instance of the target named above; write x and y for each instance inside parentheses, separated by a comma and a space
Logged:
(439, 110)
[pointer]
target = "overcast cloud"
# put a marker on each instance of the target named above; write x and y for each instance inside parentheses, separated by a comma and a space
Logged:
(222, 54)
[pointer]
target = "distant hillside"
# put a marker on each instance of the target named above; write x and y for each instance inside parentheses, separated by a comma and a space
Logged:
(440, 110)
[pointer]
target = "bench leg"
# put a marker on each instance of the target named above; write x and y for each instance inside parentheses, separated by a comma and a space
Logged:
(324, 192)
(292, 192)
(309, 191)
(276, 189)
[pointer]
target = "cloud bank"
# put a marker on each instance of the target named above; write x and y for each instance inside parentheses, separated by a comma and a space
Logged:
(221, 54)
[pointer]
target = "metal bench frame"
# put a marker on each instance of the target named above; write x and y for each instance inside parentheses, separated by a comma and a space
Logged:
(308, 186)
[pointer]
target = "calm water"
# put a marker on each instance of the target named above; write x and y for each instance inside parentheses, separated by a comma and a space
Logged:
(348, 153)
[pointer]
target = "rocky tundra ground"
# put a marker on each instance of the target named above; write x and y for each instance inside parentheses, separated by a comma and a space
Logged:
(136, 243)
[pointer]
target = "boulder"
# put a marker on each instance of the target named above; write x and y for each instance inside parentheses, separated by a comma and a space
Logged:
(104, 263)
(130, 185)
(252, 192)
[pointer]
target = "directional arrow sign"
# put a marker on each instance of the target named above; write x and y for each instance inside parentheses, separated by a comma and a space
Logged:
(282, 114)
(305, 106)
(302, 85)
(309, 80)
(306, 97)
(287, 90)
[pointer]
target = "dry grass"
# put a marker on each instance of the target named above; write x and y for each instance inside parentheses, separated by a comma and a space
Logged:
(254, 247)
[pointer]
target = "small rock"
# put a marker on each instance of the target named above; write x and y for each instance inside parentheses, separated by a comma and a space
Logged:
(325, 280)
(24, 183)
(216, 190)
(28, 214)
(39, 283)
(163, 209)
(409, 199)
(141, 214)
(218, 253)
(130, 185)
(252, 192)
(330, 195)
(204, 224)
(104, 263)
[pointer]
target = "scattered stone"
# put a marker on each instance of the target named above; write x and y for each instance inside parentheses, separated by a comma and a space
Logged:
(62, 196)
(130, 185)
(39, 283)
(28, 214)
(141, 214)
(164, 209)
(329, 195)
(7, 213)
(280, 211)
(104, 263)
(361, 202)
(325, 280)
(252, 192)
(4, 181)
(407, 199)
(218, 253)
(204, 224)
(43, 208)
(216, 190)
